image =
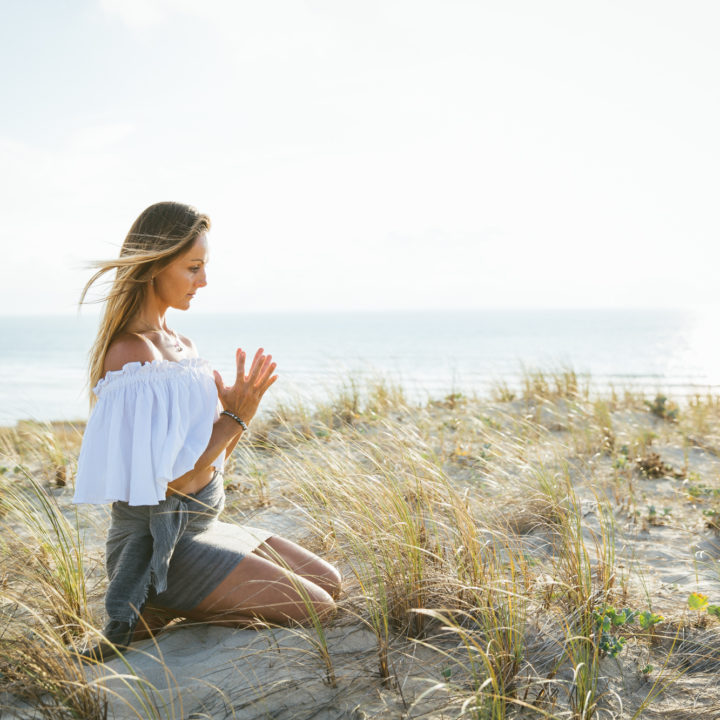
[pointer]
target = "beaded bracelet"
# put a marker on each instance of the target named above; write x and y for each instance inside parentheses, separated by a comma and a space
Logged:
(235, 418)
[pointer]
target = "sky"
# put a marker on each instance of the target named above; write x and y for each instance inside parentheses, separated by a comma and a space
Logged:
(368, 155)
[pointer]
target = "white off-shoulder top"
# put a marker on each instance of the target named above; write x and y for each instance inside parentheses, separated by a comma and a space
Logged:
(151, 423)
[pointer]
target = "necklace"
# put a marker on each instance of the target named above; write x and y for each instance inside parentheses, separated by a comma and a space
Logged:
(173, 337)
(178, 346)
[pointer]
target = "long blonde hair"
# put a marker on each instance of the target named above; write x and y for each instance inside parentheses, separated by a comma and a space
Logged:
(161, 233)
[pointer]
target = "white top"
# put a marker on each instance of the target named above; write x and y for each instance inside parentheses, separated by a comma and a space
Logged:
(151, 423)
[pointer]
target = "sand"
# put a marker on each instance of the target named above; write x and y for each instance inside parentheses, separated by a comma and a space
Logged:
(663, 547)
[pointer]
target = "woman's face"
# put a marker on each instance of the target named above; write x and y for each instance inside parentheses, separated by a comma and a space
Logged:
(179, 281)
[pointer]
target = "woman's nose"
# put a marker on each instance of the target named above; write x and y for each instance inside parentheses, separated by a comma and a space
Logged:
(202, 278)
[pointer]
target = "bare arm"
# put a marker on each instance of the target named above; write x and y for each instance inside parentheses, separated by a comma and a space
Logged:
(231, 447)
(226, 432)
(242, 399)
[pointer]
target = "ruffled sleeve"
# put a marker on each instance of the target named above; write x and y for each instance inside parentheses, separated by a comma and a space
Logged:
(151, 423)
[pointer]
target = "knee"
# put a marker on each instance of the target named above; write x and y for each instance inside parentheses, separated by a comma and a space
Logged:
(327, 577)
(321, 606)
(333, 582)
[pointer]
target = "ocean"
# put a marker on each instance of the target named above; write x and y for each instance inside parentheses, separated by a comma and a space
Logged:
(43, 359)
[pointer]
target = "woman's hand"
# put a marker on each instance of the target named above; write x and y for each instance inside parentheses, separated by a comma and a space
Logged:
(245, 395)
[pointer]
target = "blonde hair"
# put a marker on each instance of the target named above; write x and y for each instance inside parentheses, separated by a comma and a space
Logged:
(161, 233)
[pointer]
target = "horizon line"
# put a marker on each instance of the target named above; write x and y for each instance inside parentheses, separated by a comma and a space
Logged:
(399, 310)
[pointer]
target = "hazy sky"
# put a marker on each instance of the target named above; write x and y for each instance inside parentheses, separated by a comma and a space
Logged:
(367, 155)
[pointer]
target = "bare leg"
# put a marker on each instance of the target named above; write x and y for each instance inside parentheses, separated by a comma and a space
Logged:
(302, 562)
(279, 582)
(152, 620)
(259, 588)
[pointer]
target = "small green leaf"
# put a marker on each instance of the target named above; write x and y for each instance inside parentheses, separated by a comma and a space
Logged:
(714, 610)
(624, 617)
(647, 619)
(615, 646)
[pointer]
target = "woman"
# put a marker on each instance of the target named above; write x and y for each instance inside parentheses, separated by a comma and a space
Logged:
(155, 444)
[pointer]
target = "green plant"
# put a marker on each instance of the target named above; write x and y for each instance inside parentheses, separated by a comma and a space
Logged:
(713, 610)
(621, 459)
(663, 408)
(656, 518)
(648, 619)
(606, 620)
(697, 601)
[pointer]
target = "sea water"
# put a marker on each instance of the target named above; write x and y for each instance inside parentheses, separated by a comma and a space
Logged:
(43, 360)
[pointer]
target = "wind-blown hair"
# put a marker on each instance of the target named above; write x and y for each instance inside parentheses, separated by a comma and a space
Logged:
(161, 233)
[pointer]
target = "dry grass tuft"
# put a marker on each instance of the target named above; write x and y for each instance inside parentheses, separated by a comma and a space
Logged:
(489, 537)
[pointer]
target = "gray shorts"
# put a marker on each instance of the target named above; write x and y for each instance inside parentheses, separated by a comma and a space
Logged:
(207, 551)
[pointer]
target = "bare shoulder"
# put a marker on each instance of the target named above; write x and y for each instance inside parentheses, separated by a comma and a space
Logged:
(129, 347)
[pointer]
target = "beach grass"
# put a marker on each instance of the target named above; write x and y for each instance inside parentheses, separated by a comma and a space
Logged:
(546, 551)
